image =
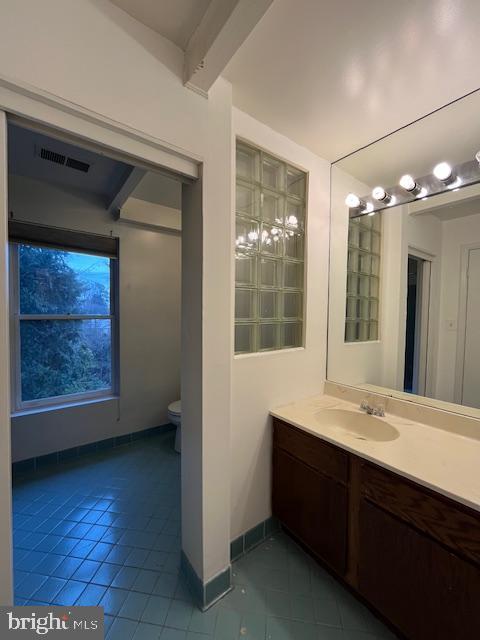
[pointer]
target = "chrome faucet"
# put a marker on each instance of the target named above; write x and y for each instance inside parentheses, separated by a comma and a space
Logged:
(372, 409)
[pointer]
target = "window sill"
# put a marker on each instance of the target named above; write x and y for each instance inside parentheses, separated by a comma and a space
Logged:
(262, 354)
(61, 406)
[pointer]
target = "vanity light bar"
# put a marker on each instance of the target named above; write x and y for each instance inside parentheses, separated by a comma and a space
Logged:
(443, 178)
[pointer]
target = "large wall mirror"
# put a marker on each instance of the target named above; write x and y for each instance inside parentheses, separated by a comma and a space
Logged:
(404, 309)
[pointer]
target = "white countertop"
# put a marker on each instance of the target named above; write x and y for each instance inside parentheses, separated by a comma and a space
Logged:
(443, 461)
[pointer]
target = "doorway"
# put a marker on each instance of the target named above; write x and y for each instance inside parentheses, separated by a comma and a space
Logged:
(118, 179)
(417, 323)
(96, 481)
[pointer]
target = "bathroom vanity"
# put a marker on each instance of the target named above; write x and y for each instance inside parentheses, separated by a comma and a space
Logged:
(392, 504)
(362, 505)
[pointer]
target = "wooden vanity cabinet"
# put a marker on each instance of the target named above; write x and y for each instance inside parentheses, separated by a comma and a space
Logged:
(311, 504)
(421, 587)
(418, 557)
(411, 553)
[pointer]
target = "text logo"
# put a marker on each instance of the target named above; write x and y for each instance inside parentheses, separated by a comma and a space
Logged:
(55, 622)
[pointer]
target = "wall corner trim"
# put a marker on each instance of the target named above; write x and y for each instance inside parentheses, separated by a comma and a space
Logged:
(206, 594)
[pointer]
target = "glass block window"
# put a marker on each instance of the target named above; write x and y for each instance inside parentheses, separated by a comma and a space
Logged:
(363, 278)
(269, 252)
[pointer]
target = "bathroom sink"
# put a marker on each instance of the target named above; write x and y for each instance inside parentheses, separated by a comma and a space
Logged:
(360, 426)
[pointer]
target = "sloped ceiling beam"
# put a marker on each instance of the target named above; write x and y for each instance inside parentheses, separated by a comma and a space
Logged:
(121, 195)
(224, 27)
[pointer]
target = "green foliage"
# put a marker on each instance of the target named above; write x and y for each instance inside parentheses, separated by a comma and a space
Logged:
(60, 357)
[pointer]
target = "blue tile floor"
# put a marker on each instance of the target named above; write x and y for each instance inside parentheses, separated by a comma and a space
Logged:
(105, 529)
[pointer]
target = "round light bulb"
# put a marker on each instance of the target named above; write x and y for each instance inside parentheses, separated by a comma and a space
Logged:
(352, 201)
(442, 171)
(407, 182)
(379, 193)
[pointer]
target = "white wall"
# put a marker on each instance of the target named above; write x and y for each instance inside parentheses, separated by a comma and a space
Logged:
(457, 234)
(358, 363)
(350, 363)
(217, 327)
(262, 381)
(149, 291)
(207, 336)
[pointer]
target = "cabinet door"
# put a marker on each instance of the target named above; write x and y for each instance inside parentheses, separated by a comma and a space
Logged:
(312, 506)
(423, 589)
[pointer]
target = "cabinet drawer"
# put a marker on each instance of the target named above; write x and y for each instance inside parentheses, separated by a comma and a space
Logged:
(313, 451)
(453, 525)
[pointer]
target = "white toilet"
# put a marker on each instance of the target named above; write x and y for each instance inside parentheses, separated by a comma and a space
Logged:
(175, 417)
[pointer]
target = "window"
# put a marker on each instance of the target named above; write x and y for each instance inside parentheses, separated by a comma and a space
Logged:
(63, 325)
(363, 278)
(269, 252)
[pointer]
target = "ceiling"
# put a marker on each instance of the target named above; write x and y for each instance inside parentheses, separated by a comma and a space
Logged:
(335, 76)
(451, 134)
(175, 20)
(451, 205)
(103, 178)
(159, 189)
(458, 210)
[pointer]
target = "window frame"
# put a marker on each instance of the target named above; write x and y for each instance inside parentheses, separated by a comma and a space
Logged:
(19, 405)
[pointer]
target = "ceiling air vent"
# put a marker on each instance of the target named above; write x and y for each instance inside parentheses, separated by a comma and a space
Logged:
(62, 159)
(78, 165)
(52, 156)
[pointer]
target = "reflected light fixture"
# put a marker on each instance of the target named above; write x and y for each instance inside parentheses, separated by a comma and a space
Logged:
(444, 177)
(443, 172)
(422, 193)
(409, 184)
(381, 195)
(353, 201)
(454, 184)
